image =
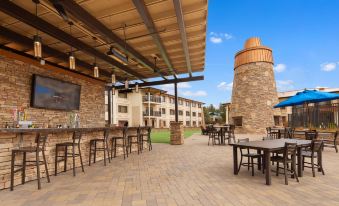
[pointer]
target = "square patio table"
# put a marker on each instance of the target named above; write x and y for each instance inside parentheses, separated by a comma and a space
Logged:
(269, 146)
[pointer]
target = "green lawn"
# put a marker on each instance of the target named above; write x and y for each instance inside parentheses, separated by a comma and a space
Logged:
(164, 136)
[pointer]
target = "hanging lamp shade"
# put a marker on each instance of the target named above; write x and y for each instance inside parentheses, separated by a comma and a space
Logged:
(96, 71)
(113, 79)
(71, 61)
(126, 84)
(37, 46)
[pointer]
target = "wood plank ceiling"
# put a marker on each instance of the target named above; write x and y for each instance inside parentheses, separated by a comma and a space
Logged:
(125, 21)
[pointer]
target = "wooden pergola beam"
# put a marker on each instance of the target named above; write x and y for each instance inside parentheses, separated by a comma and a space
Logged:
(25, 16)
(181, 23)
(162, 82)
(96, 26)
(147, 19)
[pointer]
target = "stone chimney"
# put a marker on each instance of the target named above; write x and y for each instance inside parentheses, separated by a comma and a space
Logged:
(254, 90)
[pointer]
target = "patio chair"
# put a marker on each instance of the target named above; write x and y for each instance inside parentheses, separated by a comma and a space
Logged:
(313, 153)
(146, 132)
(93, 147)
(40, 142)
(121, 138)
(133, 137)
(289, 133)
(213, 134)
(76, 138)
(204, 130)
(230, 133)
(250, 157)
(332, 142)
(289, 157)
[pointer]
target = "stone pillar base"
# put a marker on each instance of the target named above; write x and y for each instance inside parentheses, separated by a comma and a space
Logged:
(177, 133)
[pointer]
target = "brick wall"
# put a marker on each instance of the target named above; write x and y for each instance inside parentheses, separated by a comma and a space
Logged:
(15, 90)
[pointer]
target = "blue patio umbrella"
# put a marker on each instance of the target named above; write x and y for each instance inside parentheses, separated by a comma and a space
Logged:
(308, 96)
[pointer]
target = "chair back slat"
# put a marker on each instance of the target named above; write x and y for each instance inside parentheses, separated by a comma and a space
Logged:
(76, 137)
(290, 149)
(311, 135)
(316, 146)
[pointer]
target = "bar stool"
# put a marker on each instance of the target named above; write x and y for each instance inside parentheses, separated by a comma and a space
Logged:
(134, 138)
(104, 148)
(76, 138)
(40, 141)
(145, 132)
(114, 143)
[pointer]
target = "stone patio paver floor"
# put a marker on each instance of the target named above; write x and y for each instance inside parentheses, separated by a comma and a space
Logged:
(190, 174)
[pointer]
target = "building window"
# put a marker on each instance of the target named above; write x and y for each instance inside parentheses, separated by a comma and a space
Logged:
(163, 111)
(180, 102)
(199, 105)
(276, 120)
(194, 104)
(187, 113)
(164, 123)
(188, 104)
(122, 95)
(188, 123)
(172, 112)
(194, 123)
(163, 99)
(123, 123)
(181, 112)
(122, 109)
(237, 121)
(172, 100)
(194, 114)
(199, 123)
(199, 114)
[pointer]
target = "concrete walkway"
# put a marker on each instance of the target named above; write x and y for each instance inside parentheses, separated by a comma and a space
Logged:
(191, 174)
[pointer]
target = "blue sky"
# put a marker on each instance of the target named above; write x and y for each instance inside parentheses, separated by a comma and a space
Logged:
(304, 36)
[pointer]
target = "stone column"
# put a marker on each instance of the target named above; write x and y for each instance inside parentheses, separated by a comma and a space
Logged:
(177, 133)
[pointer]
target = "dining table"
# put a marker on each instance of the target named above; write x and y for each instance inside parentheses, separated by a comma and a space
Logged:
(268, 147)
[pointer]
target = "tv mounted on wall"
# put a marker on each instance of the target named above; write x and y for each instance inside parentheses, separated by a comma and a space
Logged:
(49, 93)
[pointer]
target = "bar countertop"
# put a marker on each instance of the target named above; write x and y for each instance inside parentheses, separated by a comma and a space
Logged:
(54, 130)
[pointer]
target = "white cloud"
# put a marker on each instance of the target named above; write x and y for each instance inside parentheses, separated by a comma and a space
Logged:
(218, 38)
(215, 40)
(329, 66)
(225, 86)
(199, 93)
(285, 85)
(280, 68)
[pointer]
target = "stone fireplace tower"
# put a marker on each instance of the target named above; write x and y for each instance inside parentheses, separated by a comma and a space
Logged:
(254, 90)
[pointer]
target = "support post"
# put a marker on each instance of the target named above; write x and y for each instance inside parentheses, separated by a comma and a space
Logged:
(109, 95)
(176, 102)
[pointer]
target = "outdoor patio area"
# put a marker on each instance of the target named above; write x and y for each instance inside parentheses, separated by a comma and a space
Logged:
(189, 174)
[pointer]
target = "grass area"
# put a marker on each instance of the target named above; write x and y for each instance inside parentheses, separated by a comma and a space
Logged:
(164, 136)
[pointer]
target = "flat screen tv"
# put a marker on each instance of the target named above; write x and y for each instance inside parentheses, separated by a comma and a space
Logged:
(49, 93)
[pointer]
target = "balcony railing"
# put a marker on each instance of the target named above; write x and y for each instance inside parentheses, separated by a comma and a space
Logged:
(154, 99)
(152, 113)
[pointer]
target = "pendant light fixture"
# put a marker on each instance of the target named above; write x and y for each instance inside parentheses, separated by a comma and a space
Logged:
(37, 39)
(95, 68)
(71, 57)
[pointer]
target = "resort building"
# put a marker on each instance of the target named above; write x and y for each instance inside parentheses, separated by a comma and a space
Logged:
(153, 107)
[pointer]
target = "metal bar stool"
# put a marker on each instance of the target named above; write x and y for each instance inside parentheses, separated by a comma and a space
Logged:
(123, 144)
(40, 141)
(145, 132)
(104, 148)
(76, 138)
(134, 138)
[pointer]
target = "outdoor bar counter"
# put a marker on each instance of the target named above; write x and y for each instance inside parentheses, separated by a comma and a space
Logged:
(11, 138)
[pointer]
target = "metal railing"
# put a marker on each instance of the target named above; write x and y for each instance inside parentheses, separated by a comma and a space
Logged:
(317, 116)
(152, 113)
(154, 99)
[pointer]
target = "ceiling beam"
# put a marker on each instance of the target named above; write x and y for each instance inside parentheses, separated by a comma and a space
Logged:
(50, 52)
(25, 16)
(162, 82)
(181, 23)
(147, 19)
(97, 27)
